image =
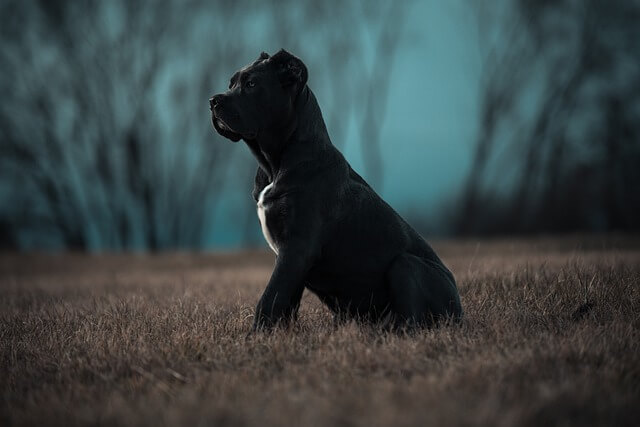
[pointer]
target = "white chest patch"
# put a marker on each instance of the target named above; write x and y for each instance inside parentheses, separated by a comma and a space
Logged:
(263, 218)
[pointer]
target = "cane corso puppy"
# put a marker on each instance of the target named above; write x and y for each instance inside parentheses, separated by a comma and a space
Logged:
(332, 234)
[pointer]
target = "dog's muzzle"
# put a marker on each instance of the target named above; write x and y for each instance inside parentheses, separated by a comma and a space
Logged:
(214, 101)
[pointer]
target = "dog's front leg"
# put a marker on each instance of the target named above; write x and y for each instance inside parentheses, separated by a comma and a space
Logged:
(280, 301)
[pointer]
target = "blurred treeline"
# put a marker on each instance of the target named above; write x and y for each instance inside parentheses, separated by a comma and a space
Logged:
(105, 139)
(558, 147)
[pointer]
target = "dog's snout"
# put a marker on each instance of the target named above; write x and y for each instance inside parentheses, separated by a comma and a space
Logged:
(214, 101)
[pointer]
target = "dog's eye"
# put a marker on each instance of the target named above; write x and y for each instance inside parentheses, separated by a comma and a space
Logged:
(250, 84)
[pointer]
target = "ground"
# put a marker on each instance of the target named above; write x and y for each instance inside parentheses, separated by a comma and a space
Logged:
(551, 336)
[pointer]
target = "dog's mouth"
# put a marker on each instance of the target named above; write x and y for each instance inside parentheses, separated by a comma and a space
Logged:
(224, 129)
(222, 125)
(227, 131)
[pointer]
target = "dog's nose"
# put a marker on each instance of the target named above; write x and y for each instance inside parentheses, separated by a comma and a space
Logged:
(215, 100)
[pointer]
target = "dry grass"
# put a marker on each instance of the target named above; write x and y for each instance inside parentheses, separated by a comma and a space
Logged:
(551, 335)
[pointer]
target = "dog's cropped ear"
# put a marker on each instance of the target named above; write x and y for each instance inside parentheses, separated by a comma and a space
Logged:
(291, 70)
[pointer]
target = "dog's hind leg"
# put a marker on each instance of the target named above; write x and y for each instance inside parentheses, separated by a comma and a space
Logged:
(422, 292)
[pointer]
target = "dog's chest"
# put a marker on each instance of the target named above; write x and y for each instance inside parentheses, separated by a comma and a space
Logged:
(262, 207)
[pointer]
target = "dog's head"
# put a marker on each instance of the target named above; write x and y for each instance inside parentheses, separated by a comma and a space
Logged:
(260, 98)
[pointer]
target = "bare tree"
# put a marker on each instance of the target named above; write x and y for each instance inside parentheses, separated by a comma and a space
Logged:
(82, 132)
(559, 127)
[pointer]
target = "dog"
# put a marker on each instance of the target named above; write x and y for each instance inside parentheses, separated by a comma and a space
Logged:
(331, 233)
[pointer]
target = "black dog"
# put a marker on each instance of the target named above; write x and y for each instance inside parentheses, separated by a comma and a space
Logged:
(330, 231)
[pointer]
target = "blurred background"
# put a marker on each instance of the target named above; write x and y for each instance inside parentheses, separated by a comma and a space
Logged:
(470, 118)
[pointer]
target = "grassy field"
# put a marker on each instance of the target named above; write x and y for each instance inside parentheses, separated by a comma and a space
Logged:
(551, 336)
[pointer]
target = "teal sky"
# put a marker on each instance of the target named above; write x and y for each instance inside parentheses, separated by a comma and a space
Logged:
(429, 130)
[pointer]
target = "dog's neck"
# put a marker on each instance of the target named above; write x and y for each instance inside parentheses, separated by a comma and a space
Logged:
(304, 134)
